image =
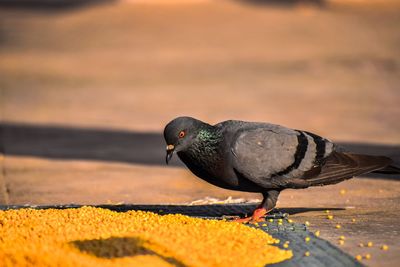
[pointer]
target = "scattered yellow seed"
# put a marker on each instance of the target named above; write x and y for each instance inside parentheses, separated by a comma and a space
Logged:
(361, 245)
(307, 223)
(367, 256)
(264, 224)
(270, 220)
(316, 233)
(329, 217)
(327, 211)
(286, 245)
(341, 242)
(338, 226)
(290, 221)
(307, 253)
(359, 257)
(343, 191)
(384, 247)
(279, 223)
(353, 220)
(342, 237)
(280, 220)
(307, 239)
(370, 244)
(66, 237)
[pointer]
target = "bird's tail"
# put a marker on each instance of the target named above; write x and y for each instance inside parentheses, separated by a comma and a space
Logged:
(340, 166)
(391, 169)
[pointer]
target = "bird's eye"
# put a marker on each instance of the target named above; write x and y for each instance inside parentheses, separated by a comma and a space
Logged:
(181, 134)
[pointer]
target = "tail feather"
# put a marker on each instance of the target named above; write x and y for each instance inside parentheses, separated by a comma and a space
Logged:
(342, 166)
(391, 169)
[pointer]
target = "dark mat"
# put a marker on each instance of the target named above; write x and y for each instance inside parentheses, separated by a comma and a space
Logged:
(322, 253)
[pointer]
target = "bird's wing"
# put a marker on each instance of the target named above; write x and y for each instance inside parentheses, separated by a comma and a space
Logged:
(340, 166)
(275, 156)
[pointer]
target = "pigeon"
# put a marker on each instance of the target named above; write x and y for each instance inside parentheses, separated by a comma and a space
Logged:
(264, 158)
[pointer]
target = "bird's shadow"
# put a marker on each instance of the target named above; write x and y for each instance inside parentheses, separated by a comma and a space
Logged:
(119, 247)
(70, 143)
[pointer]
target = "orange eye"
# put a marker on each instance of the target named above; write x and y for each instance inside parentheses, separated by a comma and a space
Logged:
(181, 134)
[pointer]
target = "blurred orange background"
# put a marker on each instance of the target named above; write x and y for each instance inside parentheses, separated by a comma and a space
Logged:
(87, 86)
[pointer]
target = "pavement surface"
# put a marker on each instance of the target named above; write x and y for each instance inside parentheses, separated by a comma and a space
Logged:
(86, 91)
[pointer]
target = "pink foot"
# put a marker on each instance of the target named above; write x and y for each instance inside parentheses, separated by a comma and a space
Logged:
(258, 216)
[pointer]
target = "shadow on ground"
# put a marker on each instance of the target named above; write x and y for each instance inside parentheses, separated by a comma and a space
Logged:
(118, 247)
(59, 142)
(50, 5)
(207, 210)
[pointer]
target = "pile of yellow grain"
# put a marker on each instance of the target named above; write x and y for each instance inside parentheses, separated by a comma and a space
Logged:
(99, 237)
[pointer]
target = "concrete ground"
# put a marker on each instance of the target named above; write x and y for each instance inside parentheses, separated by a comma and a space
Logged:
(86, 91)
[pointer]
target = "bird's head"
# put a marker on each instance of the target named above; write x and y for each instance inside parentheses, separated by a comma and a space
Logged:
(180, 133)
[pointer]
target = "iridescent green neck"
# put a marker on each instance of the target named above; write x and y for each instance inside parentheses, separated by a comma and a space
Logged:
(205, 151)
(208, 138)
(207, 134)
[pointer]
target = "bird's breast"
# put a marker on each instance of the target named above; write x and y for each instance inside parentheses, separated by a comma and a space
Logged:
(218, 175)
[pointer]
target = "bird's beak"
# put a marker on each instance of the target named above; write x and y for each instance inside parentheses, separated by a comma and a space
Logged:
(170, 152)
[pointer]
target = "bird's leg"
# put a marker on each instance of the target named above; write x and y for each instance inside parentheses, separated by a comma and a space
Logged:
(268, 204)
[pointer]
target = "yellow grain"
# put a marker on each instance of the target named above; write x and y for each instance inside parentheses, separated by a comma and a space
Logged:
(99, 237)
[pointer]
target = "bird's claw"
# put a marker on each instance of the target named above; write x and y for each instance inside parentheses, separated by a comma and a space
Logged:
(258, 216)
